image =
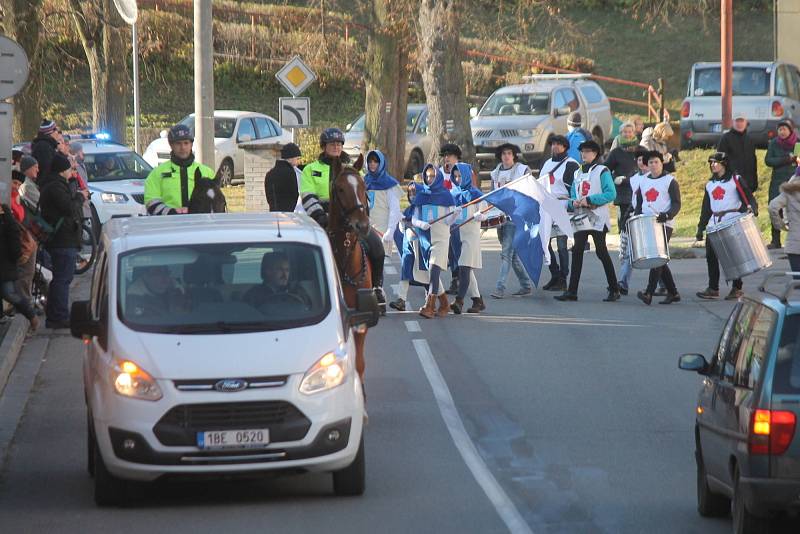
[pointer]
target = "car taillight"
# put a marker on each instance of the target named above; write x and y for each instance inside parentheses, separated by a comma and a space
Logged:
(685, 109)
(777, 109)
(771, 431)
(688, 134)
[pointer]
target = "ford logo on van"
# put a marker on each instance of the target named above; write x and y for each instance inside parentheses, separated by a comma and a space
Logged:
(230, 385)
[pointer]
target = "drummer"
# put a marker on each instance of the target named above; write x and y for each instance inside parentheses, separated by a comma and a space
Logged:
(508, 170)
(591, 192)
(556, 176)
(659, 195)
(626, 268)
(406, 240)
(726, 198)
(469, 220)
(431, 203)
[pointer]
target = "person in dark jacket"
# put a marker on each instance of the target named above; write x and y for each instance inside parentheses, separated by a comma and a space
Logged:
(281, 184)
(781, 157)
(45, 145)
(11, 252)
(63, 209)
(724, 200)
(621, 161)
(741, 151)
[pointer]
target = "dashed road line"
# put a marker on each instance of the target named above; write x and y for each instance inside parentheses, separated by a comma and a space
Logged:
(483, 475)
(413, 326)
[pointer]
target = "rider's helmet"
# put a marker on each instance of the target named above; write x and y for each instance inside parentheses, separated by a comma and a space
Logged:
(331, 135)
(179, 132)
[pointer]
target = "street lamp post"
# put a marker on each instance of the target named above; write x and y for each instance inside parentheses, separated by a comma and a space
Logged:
(204, 82)
(726, 62)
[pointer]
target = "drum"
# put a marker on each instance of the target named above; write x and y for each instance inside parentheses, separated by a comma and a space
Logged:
(648, 242)
(494, 218)
(738, 246)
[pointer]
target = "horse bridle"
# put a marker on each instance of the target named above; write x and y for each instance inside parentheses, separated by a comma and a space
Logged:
(345, 213)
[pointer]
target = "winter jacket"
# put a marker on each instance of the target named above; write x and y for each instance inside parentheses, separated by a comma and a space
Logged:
(43, 149)
(742, 153)
(10, 246)
(789, 201)
(575, 138)
(60, 206)
(280, 187)
(622, 162)
(782, 164)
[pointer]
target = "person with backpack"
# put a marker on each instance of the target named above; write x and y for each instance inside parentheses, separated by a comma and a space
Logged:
(12, 251)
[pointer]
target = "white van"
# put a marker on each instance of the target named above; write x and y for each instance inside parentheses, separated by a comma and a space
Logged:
(220, 344)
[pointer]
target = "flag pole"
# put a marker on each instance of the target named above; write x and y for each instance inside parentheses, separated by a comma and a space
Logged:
(468, 220)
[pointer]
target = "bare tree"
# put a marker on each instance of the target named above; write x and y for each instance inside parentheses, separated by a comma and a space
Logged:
(102, 34)
(386, 81)
(22, 21)
(439, 56)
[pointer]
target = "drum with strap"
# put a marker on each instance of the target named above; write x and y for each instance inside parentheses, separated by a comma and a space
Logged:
(494, 218)
(738, 246)
(648, 242)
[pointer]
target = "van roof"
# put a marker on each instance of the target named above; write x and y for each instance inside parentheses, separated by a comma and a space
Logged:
(762, 64)
(139, 232)
(536, 86)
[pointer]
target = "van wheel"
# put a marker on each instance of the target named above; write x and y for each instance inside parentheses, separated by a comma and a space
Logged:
(108, 489)
(225, 173)
(90, 446)
(352, 479)
(709, 504)
(744, 522)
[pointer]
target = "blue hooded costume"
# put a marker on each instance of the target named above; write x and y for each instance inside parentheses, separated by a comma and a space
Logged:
(404, 241)
(429, 201)
(380, 180)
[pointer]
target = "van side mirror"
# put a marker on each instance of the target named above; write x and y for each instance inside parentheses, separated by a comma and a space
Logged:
(560, 112)
(473, 112)
(81, 323)
(693, 362)
(162, 134)
(366, 312)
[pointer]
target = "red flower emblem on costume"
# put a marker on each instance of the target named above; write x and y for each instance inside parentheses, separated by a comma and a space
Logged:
(718, 193)
(651, 195)
(448, 184)
(585, 186)
(552, 178)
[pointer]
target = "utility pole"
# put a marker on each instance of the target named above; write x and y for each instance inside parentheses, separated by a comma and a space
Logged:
(204, 83)
(726, 62)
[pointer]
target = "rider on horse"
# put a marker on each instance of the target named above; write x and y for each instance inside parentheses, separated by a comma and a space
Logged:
(169, 186)
(315, 195)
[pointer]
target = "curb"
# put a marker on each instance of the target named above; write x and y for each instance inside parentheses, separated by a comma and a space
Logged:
(11, 347)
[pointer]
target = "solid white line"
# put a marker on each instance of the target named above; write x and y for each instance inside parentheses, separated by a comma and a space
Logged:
(389, 269)
(483, 476)
(413, 326)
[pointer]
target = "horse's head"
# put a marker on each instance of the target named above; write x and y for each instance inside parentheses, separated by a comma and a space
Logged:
(349, 203)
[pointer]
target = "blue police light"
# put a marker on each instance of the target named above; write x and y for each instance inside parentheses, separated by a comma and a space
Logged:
(102, 136)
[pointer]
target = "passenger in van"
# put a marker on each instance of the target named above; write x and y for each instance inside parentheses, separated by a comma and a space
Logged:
(154, 292)
(275, 274)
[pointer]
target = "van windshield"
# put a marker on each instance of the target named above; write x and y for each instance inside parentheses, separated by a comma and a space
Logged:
(222, 288)
(747, 81)
(787, 369)
(517, 104)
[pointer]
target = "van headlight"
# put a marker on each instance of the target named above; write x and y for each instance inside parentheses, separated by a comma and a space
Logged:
(113, 198)
(327, 373)
(130, 380)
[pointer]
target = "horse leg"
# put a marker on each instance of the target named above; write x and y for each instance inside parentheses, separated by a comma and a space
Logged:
(360, 360)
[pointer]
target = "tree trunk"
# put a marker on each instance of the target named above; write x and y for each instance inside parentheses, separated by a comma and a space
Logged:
(386, 91)
(23, 23)
(443, 76)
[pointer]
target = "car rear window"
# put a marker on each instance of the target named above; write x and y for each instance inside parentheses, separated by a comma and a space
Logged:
(787, 370)
(593, 94)
(747, 81)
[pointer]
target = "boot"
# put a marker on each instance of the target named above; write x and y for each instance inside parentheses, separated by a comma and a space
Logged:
(453, 289)
(553, 281)
(560, 285)
(613, 295)
(444, 306)
(645, 297)
(734, 294)
(399, 305)
(566, 296)
(671, 297)
(708, 294)
(429, 310)
(477, 305)
(457, 306)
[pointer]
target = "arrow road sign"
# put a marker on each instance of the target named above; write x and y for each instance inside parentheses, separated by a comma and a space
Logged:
(295, 112)
(296, 76)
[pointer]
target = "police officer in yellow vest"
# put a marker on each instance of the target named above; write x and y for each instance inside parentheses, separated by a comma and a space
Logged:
(169, 186)
(315, 195)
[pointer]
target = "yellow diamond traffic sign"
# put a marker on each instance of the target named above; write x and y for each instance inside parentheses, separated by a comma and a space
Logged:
(296, 76)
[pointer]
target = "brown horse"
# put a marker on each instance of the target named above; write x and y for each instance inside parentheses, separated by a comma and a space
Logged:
(348, 224)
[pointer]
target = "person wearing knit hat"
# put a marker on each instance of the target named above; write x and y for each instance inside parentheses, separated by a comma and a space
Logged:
(282, 182)
(62, 208)
(26, 166)
(47, 127)
(782, 159)
(576, 135)
(45, 145)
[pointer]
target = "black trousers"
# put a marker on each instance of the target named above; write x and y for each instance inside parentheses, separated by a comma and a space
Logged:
(375, 254)
(713, 269)
(581, 240)
(560, 266)
(662, 273)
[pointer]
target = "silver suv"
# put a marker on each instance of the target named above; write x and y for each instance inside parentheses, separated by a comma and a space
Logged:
(528, 115)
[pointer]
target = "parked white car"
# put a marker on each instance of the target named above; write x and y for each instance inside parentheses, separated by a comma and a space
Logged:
(231, 129)
(220, 345)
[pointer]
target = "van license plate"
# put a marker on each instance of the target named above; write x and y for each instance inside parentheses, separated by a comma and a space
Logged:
(716, 127)
(233, 439)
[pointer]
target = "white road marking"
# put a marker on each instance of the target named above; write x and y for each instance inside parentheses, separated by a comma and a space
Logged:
(389, 269)
(483, 476)
(396, 288)
(413, 326)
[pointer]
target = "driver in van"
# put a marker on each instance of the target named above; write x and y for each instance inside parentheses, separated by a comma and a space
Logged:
(275, 274)
(154, 292)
